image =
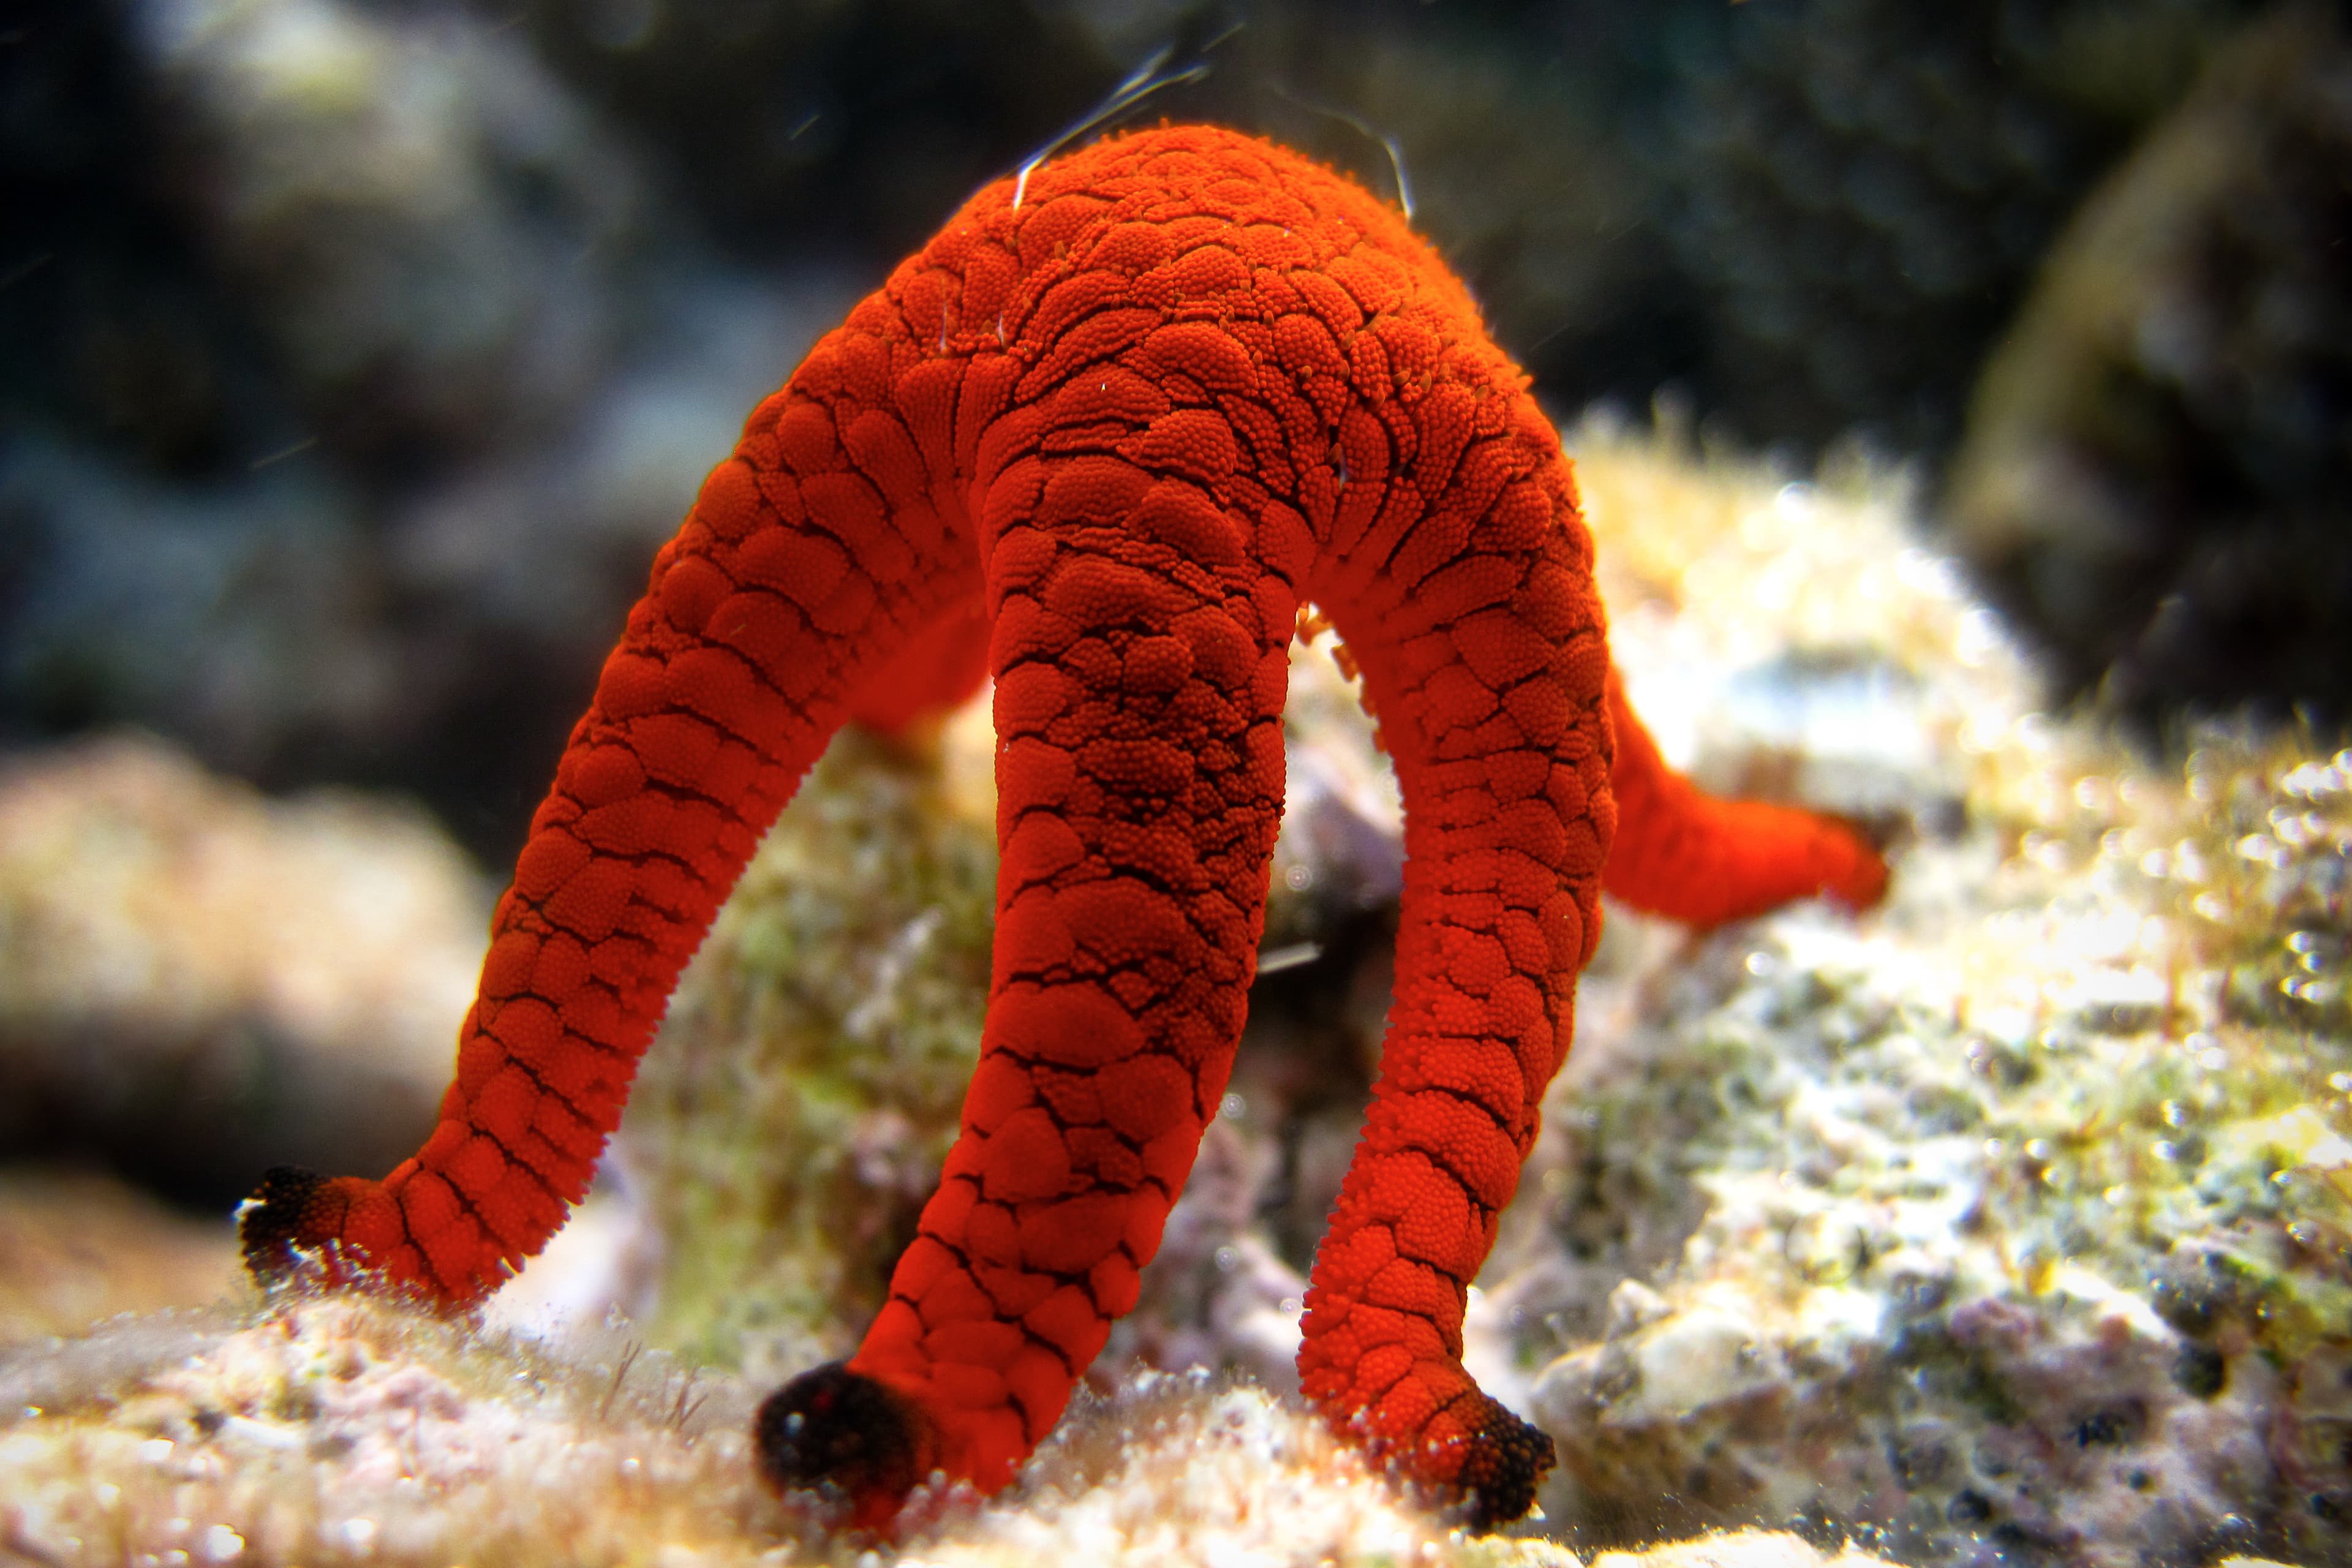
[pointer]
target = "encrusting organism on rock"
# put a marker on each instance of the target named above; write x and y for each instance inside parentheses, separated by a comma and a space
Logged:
(1139, 408)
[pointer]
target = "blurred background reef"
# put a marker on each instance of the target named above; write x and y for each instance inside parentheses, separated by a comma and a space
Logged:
(1963, 400)
(355, 354)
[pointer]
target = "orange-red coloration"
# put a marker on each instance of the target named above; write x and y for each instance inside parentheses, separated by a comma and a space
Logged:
(1123, 428)
(1692, 857)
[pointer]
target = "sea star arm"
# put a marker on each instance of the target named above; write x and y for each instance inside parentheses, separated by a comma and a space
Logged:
(1458, 571)
(1692, 857)
(1139, 629)
(819, 555)
(1141, 587)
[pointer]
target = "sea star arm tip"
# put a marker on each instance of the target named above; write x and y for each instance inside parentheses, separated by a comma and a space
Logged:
(291, 1212)
(1505, 1461)
(1706, 860)
(832, 1427)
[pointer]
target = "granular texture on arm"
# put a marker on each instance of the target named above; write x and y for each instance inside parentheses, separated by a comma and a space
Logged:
(1106, 435)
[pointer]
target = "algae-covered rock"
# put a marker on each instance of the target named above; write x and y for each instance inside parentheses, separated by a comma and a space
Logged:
(2021, 1211)
(789, 1122)
(2011, 1217)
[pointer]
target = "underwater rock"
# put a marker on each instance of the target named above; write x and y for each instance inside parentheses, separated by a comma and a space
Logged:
(196, 981)
(790, 1120)
(2156, 461)
(2012, 1216)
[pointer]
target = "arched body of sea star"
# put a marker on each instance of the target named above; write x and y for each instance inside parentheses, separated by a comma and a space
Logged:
(1109, 438)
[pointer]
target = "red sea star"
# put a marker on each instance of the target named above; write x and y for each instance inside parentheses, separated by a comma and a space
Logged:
(1141, 411)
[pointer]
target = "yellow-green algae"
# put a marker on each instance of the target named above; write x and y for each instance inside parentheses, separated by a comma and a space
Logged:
(791, 1120)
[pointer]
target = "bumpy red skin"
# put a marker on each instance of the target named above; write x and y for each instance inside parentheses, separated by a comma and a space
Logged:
(1185, 383)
